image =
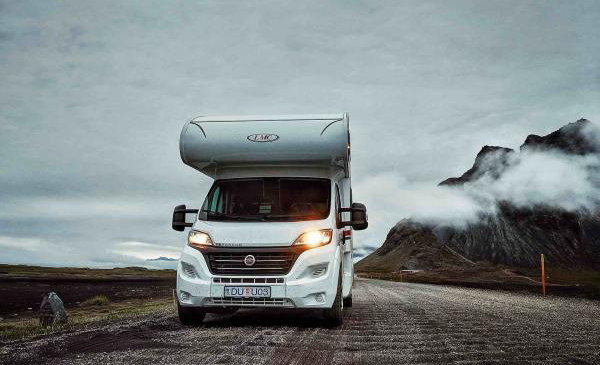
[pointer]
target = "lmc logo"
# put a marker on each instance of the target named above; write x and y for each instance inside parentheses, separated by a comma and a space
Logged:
(263, 137)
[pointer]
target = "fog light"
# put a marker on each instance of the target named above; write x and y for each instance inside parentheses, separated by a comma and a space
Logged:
(185, 296)
(320, 298)
(188, 269)
(319, 271)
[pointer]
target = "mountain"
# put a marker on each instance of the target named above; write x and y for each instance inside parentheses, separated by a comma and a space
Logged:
(491, 160)
(517, 237)
(162, 258)
(411, 246)
(572, 138)
(163, 262)
(510, 234)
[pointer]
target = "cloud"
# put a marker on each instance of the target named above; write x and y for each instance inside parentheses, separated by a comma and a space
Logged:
(40, 251)
(76, 208)
(530, 179)
(94, 95)
(145, 251)
(550, 179)
(26, 244)
(390, 197)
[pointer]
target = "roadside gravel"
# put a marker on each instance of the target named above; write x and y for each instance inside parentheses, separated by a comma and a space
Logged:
(390, 323)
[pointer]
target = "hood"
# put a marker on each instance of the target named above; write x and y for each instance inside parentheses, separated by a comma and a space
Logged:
(257, 234)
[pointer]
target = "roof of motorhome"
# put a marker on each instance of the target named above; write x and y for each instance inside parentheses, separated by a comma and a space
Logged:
(250, 118)
(213, 144)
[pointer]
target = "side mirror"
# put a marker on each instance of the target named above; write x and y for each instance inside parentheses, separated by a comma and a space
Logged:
(179, 213)
(359, 217)
(358, 214)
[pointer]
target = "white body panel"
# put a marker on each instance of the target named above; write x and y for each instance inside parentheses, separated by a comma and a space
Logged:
(308, 146)
(257, 234)
(299, 288)
(208, 144)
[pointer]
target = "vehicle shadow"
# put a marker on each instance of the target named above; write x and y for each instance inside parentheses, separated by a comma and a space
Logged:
(271, 317)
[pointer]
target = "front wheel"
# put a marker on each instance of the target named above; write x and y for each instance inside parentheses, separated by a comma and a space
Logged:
(189, 316)
(348, 301)
(335, 315)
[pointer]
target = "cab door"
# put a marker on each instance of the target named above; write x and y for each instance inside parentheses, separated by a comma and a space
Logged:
(345, 237)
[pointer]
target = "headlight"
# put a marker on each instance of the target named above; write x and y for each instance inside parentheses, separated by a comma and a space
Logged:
(315, 238)
(198, 239)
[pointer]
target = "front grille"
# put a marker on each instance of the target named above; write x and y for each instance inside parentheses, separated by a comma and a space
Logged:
(248, 280)
(266, 263)
(252, 302)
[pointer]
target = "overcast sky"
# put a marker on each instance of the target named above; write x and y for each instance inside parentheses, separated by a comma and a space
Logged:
(94, 94)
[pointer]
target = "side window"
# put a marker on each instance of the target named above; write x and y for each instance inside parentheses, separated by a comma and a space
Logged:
(214, 201)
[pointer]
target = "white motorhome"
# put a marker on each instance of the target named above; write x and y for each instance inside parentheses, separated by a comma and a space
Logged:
(275, 229)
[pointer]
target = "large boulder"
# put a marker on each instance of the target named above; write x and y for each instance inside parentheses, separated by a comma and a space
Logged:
(52, 310)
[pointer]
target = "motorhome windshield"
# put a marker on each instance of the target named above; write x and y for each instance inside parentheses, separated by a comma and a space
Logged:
(272, 199)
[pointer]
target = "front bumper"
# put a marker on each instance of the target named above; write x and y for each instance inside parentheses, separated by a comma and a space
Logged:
(311, 282)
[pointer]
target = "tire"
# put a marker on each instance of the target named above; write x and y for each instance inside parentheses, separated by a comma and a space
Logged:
(334, 316)
(348, 301)
(190, 316)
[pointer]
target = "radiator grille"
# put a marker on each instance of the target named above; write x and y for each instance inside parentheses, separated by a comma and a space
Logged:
(256, 302)
(266, 263)
(249, 280)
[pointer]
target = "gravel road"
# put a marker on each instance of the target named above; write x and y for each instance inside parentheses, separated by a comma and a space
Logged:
(390, 323)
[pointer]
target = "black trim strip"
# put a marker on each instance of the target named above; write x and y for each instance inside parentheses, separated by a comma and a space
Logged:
(335, 121)
(298, 249)
(199, 126)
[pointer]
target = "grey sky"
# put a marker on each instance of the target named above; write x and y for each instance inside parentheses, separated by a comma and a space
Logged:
(94, 95)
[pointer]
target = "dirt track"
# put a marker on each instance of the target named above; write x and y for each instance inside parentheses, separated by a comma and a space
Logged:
(390, 323)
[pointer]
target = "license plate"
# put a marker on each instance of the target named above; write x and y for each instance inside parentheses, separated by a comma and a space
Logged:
(248, 291)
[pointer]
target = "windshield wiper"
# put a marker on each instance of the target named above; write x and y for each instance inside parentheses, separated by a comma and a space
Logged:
(230, 216)
(286, 216)
(246, 217)
(257, 217)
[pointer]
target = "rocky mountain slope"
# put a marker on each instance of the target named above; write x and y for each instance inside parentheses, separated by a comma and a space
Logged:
(492, 160)
(412, 246)
(510, 235)
(517, 237)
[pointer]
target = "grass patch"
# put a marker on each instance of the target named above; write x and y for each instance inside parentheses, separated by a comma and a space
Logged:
(84, 317)
(559, 275)
(95, 300)
(560, 281)
(40, 272)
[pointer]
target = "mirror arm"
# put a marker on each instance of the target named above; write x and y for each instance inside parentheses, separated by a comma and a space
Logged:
(183, 224)
(349, 223)
(195, 211)
(350, 210)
